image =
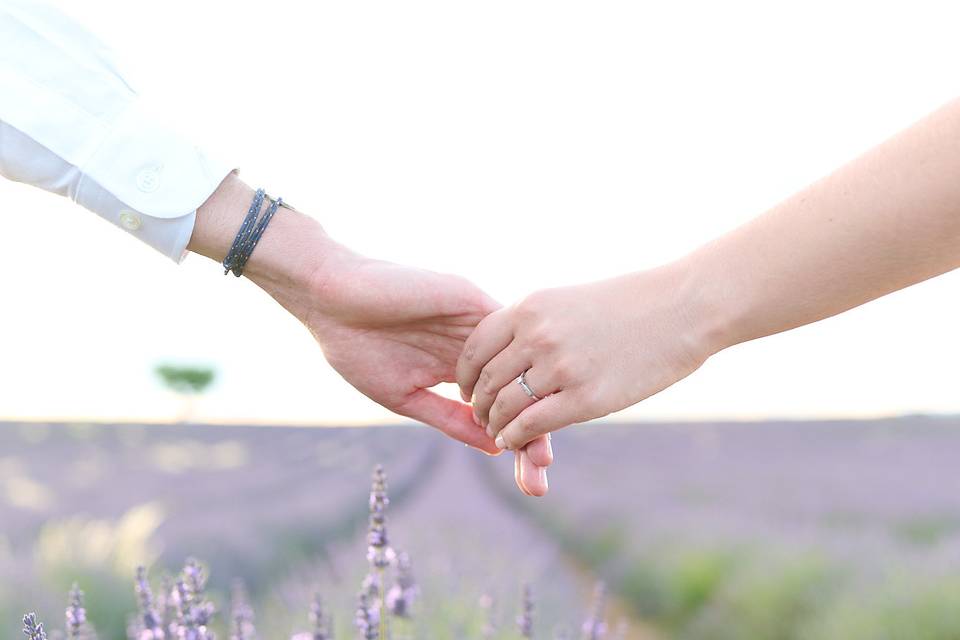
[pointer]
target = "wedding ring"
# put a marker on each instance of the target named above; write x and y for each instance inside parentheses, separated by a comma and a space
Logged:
(522, 381)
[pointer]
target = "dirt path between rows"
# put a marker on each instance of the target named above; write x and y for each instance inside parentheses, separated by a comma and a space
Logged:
(478, 536)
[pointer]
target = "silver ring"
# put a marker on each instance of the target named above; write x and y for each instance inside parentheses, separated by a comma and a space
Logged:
(522, 381)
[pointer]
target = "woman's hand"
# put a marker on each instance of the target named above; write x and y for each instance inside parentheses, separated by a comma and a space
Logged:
(587, 351)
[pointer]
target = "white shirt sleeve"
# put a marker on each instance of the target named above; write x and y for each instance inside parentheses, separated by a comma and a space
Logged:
(70, 123)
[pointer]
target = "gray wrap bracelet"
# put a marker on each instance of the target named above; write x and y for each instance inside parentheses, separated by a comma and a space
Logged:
(250, 233)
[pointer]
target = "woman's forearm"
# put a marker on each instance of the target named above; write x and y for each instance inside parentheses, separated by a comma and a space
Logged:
(888, 219)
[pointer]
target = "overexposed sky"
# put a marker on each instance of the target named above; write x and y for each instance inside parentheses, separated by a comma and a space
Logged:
(522, 144)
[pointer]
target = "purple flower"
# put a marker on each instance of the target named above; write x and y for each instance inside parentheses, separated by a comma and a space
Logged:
(367, 619)
(594, 627)
(379, 553)
(193, 611)
(402, 594)
(148, 625)
(33, 628)
(321, 625)
(76, 615)
(241, 614)
(525, 619)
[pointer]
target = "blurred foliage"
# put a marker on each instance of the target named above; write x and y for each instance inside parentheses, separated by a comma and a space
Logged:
(180, 456)
(770, 598)
(763, 591)
(100, 555)
(673, 583)
(896, 610)
(186, 379)
(927, 530)
(80, 543)
(20, 489)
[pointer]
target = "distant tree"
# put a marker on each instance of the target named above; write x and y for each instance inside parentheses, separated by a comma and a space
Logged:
(187, 381)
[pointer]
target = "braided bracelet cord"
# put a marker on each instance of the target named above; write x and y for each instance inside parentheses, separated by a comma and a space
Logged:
(230, 261)
(251, 243)
(250, 233)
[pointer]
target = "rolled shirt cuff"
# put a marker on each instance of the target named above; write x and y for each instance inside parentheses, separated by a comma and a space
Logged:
(149, 180)
(169, 236)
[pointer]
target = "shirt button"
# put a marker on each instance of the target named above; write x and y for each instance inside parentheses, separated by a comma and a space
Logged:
(130, 220)
(148, 180)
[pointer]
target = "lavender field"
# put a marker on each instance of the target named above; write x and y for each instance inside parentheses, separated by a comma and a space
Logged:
(700, 531)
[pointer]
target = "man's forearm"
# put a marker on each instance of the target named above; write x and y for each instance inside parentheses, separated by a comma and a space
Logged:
(889, 219)
(291, 257)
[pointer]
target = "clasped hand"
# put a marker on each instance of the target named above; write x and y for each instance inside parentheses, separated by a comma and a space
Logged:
(585, 352)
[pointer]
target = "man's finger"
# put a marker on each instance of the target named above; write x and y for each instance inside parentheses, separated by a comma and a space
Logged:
(449, 416)
(549, 414)
(517, 475)
(540, 451)
(532, 477)
(490, 337)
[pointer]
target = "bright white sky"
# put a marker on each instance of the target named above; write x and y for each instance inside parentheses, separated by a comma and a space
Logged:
(523, 144)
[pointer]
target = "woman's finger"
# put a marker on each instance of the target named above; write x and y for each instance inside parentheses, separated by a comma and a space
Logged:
(497, 374)
(532, 477)
(553, 412)
(512, 398)
(491, 336)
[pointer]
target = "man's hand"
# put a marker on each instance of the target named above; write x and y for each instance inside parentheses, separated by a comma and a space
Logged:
(392, 332)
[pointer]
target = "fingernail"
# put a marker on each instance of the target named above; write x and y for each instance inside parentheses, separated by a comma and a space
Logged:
(475, 418)
(500, 442)
(543, 478)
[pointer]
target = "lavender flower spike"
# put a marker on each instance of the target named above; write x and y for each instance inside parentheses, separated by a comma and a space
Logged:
(525, 619)
(367, 619)
(379, 553)
(193, 611)
(76, 615)
(33, 628)
(322, 626)
(149, 625)
(241, 614)
(594, 627)
(402, 594)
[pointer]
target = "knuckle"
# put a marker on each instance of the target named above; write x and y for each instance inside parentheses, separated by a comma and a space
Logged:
(526, 429)
(489, 389)
(588, 406)
(544, 338)
(530, 307)
(564, 371)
